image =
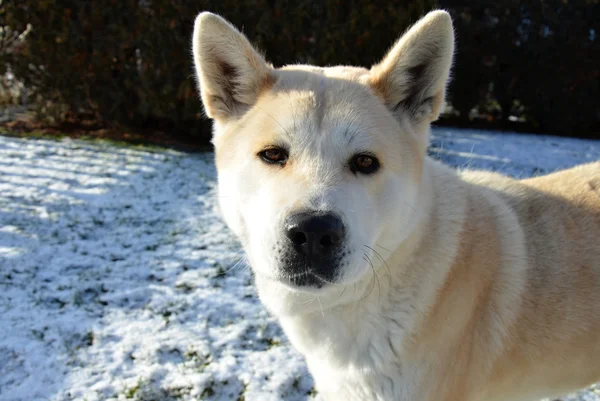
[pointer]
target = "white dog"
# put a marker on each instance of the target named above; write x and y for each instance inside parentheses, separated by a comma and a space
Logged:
(396, 277)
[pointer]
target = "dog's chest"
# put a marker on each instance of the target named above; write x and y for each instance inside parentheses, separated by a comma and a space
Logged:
(353, 359)
(354, 384)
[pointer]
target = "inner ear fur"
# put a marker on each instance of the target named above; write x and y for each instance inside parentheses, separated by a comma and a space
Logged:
(231, 73)
(412, 77)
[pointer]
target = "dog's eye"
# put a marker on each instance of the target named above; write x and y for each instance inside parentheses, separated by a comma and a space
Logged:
(274, 156)
(364, 164)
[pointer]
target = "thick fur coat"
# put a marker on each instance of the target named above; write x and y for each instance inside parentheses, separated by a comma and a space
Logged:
(447, 285)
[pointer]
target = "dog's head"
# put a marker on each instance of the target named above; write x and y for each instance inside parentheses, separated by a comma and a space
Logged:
(319, 167)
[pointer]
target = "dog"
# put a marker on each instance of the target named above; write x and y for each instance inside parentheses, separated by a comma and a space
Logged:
(396, 277)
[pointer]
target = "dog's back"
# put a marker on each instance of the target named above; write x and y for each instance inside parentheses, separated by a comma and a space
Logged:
(553, 342)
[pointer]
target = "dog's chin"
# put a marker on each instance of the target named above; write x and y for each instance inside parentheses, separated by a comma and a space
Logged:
(284, 298)
(314, 281)
(308, 282)
(296, 274)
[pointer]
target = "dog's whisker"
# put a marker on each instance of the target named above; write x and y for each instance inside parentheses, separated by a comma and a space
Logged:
(309, 272)
(343, 291)
(310, 301)
(325, 281)
(387, 250)
(370, 263)
(376, 277)
(410, 206)
(243, 260)
(321, 306)
(384, 263)
(372, 279)
(384, 248)
(370, 291)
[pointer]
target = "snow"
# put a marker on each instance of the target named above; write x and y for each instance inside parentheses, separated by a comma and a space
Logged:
(119, 281)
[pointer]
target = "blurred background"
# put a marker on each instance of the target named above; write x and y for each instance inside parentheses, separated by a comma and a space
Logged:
(123, 67)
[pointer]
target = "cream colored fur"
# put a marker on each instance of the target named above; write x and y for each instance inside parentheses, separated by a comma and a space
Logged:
(461, 285)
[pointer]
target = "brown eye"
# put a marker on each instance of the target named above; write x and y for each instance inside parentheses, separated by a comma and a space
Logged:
(364, 164)
(274, 156)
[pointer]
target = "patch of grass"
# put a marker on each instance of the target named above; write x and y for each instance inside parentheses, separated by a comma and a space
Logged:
(39, 334)
(169, 310)
(130, 392)
(32, 134)
(97, 221)
(192, 355)
(179, 392)
(89, 339)
(185, 287)
(208, 391)
(153, 247)
(200, 362)
(220, 271)
(58, 136)
(166, 314)
(296, 383)
(272, 342)
(55, 302)
(242, 396)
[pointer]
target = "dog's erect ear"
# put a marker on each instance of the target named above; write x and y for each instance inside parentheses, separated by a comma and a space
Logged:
(412, 76)
(231, 73)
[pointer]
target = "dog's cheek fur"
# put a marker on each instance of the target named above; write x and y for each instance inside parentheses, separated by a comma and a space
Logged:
(251, 195)
(398, 201)
(250, 198)
(229, 205)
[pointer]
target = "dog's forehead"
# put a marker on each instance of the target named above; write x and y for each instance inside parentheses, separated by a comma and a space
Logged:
(349, 73)
(320, 101)
(335, 85)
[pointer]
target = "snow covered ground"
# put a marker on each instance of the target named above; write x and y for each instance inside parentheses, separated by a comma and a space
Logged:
(119, 281)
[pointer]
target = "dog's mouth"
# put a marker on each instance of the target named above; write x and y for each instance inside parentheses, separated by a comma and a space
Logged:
(306, 280)
(296, 271)
(295, 274)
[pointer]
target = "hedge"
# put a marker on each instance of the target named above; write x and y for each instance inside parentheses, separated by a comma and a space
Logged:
(129, 60)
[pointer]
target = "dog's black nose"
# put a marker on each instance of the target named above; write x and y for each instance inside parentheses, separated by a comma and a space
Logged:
(315, 235)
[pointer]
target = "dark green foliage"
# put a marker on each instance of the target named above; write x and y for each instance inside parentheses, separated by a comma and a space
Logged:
(118, 59)
(130, 60)
(537, 60)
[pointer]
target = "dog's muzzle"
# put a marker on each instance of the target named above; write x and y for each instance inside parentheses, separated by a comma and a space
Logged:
(314, 248)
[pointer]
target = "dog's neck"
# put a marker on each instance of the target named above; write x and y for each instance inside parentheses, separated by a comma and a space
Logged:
(345, 334)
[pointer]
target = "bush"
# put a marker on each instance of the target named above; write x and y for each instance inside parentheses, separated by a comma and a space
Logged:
(534, 60)
(129, 60)
(123, 61)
